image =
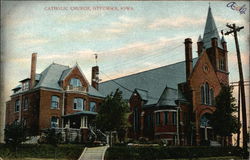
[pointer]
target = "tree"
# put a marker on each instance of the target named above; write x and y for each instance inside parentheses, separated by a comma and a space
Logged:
(53, 138)
(113, 115)
(15, 134)
(223, 120)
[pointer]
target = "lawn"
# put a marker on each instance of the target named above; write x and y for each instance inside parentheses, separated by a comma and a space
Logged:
(40, 152)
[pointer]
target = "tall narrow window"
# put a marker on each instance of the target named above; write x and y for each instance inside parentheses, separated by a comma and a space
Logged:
(78, 104)
(165, 118)
(202, 94)
(136, 119)
(92, 106)
(149, 119)
(174, 118)
(158, 118)
(54, 122)
(17, 105)
(26, 104)
(206, 93)
(211, 95)
(222, 64)
(54, 102)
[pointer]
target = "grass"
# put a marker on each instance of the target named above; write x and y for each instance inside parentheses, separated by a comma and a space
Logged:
(40, 152)
(33, 159)
(213, 158)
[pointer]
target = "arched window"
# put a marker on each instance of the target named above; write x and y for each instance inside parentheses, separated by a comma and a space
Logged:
(207, 94)
(75, 82)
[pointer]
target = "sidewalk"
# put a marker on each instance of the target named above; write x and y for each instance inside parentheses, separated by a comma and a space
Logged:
(94, 153)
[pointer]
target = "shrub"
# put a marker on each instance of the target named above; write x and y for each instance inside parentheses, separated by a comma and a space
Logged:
(68, 151)
(149, 153)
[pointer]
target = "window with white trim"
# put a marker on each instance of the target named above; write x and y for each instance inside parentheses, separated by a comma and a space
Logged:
(26, 104)
(54, 102)
(54, 122)
(221, 64)
(78, 104)
(75, 82)
(174, 118)
(207, 94)
(25, 85)
(92, 106)
(17, 105)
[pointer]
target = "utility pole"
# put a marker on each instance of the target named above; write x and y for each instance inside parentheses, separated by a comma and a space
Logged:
(238, 133)
(234, 30)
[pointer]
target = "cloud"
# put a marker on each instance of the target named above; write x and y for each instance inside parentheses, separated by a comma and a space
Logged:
(176, 22)
(232, 58)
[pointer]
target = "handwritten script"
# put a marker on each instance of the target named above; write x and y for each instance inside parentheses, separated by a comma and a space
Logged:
(236, 7)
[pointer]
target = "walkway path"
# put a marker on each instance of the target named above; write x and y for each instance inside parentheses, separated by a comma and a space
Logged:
(93, 153)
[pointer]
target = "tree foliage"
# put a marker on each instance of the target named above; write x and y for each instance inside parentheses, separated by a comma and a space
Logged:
(15, 133)
(53, 137)
(113, 113)
(223, 120)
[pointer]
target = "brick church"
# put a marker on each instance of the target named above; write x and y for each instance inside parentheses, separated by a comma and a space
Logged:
(173, 102)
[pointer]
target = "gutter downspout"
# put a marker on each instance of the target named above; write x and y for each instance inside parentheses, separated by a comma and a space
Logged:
(63, 106)
(177, 129)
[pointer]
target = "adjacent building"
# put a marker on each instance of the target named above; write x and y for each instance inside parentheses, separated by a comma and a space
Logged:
(174, 102)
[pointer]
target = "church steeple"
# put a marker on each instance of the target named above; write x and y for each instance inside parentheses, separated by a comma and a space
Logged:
(210, 31)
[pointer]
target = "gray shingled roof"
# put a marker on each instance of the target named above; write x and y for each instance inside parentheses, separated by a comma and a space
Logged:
(143, 94)
(168, 97)
(154, 81)
(210, 31)
(51, 77)
(93, 92)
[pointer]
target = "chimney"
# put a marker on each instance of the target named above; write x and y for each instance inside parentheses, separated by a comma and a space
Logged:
(188, 57)
(199, 46)
(95, 77)
(33, 70)
(224, 43)
(214, 42)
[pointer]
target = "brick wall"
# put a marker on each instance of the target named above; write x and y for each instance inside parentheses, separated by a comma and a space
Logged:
(46, 112)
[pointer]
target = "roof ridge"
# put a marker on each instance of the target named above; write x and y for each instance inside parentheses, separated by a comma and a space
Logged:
(44, 75)
(145, 71)
(59, 64)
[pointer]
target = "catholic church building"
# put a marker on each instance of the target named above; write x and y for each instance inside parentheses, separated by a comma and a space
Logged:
(172, 102)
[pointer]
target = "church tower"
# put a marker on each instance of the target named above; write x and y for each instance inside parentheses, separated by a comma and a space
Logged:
(215, 47)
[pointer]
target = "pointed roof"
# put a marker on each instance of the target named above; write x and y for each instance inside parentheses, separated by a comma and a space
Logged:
(199, 39)
(210, 31)
(223, 39)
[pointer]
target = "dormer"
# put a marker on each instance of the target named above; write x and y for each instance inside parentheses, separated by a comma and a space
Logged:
(73, 80)
(25, 84)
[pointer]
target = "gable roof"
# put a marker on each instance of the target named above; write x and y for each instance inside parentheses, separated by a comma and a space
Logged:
(154, 81)
(68, 71)
(210, 31)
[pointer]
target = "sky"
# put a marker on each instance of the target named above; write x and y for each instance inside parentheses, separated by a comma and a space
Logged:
(128, 37)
